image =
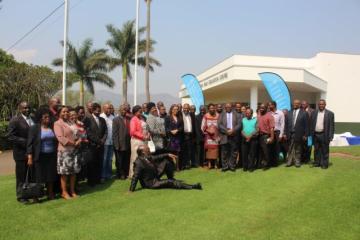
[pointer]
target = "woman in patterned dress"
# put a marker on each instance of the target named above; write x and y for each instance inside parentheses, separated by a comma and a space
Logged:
(67, 161)
(209, 126)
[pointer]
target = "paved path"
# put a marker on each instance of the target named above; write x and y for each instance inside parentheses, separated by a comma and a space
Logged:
(7, 164)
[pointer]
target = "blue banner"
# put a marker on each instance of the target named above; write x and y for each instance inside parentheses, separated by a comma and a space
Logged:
(194, 90)
(277, 89)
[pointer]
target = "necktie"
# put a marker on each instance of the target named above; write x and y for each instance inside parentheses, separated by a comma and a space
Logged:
(294, 118)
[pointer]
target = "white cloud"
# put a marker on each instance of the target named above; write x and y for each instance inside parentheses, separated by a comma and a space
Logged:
(26, 55)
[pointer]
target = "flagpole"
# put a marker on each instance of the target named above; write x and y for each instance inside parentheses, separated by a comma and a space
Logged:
(136, 50)
(66, 26)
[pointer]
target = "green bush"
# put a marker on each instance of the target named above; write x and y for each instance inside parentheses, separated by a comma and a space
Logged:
(4, 143)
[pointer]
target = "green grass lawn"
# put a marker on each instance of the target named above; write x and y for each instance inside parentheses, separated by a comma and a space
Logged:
(282, 203)
(353, 150)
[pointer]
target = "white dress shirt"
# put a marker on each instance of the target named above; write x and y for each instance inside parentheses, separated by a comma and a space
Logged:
(109, 121)
(187, 123)
(28, 119)
(319, 127)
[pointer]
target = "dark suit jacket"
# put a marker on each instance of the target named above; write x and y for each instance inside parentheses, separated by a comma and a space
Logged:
(147, 170)
(193, 125)
(34, 142)
(17, 134)
(236, 124)
(329, 124)
(96, 134)
(301, 128)
(120, 134)
(198, 132)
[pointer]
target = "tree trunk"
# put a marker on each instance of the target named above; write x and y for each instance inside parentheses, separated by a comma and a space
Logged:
(81, 92)
(124, 84)
(147, 87)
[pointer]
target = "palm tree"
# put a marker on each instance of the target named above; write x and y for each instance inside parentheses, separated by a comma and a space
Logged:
(91, 65)
(122, 43)
(147, 80)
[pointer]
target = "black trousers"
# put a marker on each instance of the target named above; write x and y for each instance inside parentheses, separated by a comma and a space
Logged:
(188, 152)
(264, 153)
(95, 165)
(200, 153)
(284, 147)
(229, 152)
(321, 150)
(275, 150)
(240, 162)
(20, 172)
(122, 163)
(170, 183)
(306, 154)
(248, 153)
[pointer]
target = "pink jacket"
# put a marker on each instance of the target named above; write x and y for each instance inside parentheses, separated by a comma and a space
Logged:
(136, 130)
(64, 134)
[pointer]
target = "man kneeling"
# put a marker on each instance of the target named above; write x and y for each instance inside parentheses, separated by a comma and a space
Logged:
(148, 169)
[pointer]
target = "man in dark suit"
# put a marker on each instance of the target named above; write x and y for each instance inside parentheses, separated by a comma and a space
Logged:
(121, 142)
(297, 132)
(199, 153)
(18, 134)
(148, 169)
(322, 132)
(307, 149)
(188, 144)
(229, 127)
(97, 131)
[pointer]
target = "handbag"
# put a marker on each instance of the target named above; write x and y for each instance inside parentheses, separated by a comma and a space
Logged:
(151, 145)
(28, 190)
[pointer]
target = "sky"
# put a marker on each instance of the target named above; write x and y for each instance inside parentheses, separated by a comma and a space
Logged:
(191, 35)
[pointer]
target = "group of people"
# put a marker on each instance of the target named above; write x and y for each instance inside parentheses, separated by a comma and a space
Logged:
(64, 145)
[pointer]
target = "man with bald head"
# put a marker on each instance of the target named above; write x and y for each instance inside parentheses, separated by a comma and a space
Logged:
(322, 131)
(108, 145)
(297, 132)
(229, 126)
(121, 142)
(307, 149)
(188, 145)
(17, 134)
(53, 104)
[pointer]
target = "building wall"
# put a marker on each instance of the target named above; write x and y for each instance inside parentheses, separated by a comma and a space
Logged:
(335, 77)
(342, 72)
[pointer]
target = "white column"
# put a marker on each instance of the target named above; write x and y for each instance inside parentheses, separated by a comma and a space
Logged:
(254, 97)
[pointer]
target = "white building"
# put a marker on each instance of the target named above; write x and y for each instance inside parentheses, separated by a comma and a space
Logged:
(334, 77)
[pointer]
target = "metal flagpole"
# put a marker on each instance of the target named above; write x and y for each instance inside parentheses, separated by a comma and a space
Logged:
(136, 50)
(66, 26)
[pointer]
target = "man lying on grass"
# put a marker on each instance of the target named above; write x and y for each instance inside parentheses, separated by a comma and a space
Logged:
(148, 169)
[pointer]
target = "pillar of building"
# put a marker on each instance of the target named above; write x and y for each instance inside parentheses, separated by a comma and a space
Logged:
(254, 97)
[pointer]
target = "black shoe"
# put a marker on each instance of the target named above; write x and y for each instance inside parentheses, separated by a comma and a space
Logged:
(23, 201)
(197, 186)
(245, 169)
(316, 165)
(251, 170)
(266, 168)
(297, 165)
(324, 167)
(288, 165)
(224, 169)
(233, 169)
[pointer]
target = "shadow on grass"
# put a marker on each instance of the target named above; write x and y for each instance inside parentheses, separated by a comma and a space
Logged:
(84, 188)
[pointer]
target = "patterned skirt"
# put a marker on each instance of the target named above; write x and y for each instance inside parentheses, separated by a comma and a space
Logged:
(68, 162)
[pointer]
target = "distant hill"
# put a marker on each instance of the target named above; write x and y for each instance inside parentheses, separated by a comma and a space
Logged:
(103, 96)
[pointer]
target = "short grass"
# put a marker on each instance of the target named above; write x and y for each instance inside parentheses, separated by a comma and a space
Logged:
(282, 203)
